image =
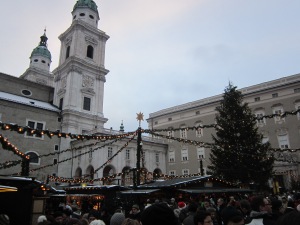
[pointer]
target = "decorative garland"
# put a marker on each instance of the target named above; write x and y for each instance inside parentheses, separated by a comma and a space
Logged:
(21, 130)
(8, 146)
(142, 172)
(50, 134)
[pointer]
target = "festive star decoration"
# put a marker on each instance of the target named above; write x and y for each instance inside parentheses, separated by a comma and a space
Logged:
(140, 116)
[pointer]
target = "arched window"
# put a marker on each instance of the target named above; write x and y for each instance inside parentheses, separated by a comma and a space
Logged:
(34, 157)
(68, 52)
(90, 51)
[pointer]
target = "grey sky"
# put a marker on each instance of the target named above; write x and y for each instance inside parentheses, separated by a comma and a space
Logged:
(165, 52)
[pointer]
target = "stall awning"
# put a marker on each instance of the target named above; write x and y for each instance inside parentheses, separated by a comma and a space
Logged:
(222, 190)
(7, 188)
(144, 191)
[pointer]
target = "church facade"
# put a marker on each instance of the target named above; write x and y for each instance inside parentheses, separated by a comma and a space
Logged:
(69, 100)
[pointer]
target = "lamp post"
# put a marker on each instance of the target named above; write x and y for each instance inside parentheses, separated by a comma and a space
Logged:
(201, 165)
(140, 117)
(138, 155)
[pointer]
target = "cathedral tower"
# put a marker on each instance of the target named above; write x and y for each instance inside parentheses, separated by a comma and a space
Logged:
(80, 77)
(40, 61)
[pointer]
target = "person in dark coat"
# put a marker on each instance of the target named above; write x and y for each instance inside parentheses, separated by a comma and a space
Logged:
(159, 214)
(135, 213)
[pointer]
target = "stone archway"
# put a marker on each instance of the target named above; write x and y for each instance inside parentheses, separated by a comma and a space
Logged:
(156, 173)
(89, 174)
(78, 173)
(127, 176)
(108, 171)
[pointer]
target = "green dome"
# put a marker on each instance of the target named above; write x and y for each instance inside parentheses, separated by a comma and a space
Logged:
(41, 50)
(86, 3)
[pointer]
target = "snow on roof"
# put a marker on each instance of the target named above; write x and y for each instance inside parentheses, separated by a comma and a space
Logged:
(28, 101)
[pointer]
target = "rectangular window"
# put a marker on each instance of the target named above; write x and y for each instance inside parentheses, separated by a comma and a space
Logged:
(283, 141)
(35, 126)
(109, 152)
(257, 99)
(184, 154)
(61, 102)
(172, 172)
(155, 122)
(199, 130)
(87, 103)
(169, 119)
(197, 112)
(279, 112)
(274, 95)
(56, 148)
(54, 161)
(157, 157)
(200, 152)
(171, 157)
(170, 133)
(183, 133)
(185, 172)
(127, 154)
(261, 121)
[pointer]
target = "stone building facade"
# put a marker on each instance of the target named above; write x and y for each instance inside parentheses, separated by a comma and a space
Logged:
(272, 97)
(69, 100)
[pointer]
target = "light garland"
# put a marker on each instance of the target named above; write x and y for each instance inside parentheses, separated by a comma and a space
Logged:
(111, 177)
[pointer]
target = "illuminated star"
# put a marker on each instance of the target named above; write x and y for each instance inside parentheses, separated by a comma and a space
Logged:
(140, 116)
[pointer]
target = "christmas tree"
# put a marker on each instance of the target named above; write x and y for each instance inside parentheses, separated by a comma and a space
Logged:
(238, 154)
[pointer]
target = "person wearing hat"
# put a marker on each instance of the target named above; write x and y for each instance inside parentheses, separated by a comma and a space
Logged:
(181, 205)
(117, 218)
(135, 213)
(159, 214)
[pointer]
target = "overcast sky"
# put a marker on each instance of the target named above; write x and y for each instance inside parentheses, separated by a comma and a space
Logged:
(162, 53)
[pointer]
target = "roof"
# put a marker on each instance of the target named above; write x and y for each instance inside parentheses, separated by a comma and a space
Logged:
(28, 101)
(140, 191)
(215, 190)
(97, 189)
(174, 182)
(86, 4)
(42, 49)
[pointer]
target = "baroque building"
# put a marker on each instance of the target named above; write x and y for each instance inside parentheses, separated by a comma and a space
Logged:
(69, 101)
(272, 97)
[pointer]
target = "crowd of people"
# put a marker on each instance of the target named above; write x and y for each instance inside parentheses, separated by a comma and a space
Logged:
(252, 210)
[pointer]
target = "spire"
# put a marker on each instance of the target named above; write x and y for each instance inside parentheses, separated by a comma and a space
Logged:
(42, 49)
(122, 127)
(44, 39)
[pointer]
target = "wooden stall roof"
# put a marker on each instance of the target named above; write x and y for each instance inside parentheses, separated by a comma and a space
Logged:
(173, 182)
